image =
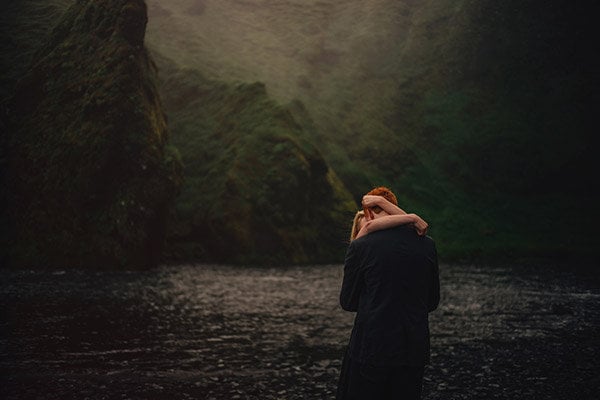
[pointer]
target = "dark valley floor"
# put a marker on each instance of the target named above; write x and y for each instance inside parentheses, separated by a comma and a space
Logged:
(220, 332)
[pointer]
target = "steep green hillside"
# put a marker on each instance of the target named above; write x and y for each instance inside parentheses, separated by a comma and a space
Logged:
(342, 60)
(504, 131)
(88, 171)
(24, 24)
(256, 190)
(478, 113)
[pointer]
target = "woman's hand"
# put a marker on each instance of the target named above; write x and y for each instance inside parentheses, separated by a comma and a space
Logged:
(369, 201)
(368, 214)
(420, 225)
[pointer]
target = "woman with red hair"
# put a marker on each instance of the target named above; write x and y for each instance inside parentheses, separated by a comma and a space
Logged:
(365, 222)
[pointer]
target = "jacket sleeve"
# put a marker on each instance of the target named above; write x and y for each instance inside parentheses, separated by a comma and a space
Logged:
(353, 280)
(434, 288)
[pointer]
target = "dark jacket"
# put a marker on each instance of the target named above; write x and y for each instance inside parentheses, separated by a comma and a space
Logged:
(391, 280)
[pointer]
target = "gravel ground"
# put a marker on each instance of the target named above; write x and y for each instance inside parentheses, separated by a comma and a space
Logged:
(222, 332)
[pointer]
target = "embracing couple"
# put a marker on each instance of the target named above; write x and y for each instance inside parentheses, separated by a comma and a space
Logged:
(391, 281)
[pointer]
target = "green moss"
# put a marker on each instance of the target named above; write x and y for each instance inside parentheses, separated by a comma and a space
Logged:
(88, 171)
(479, 118)
(256, 190)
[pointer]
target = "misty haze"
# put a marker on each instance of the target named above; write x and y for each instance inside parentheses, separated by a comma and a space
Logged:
(179, 181)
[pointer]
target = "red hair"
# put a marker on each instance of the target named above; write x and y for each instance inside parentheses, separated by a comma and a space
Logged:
(386, 193)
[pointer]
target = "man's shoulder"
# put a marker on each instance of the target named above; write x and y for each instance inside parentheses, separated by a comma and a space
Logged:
(428, 238)
(408, 235)
(399, 232)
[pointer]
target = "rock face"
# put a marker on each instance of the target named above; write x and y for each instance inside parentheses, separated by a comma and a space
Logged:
(516, 77)
(256, 190)
(476, 113)
(89, 173)
(457, 105)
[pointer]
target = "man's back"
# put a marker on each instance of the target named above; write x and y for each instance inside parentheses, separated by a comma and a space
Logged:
(391, 280)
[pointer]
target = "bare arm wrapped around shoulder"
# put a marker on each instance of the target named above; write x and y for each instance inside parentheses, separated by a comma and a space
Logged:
(390, 221)
(370, 201)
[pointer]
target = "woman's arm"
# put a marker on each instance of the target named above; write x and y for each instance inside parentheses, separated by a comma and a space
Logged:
(370, 201)
(390, 221)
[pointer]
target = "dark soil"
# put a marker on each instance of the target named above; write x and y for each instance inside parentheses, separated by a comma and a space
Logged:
(220, 332)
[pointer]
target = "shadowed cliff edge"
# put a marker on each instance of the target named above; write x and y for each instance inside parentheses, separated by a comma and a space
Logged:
(478, 114)
(256, 189)
(92, 178)
(90, 175)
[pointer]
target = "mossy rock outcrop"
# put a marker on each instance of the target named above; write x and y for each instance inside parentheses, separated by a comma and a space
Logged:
(256, 190)
(89, 171)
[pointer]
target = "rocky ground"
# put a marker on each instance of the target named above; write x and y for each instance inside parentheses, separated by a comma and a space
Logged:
(221, 332)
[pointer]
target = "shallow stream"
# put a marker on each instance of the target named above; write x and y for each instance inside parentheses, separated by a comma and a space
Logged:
(223, 332)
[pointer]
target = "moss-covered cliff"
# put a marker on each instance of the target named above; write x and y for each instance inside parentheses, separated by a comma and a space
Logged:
(87, 132)
(256, 190)
(502, 129)
(89, 172)
(478, 113)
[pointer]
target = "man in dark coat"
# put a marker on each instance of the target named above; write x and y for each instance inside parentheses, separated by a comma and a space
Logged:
(391, 281)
